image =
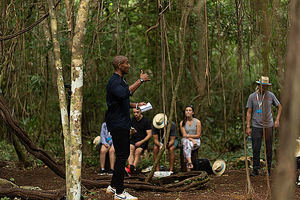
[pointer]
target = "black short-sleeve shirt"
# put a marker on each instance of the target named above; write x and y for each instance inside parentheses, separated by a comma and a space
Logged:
(141, 127)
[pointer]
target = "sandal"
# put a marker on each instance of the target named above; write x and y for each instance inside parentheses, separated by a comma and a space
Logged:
(189, 165)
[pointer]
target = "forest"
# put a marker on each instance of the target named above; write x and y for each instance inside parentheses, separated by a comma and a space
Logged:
(56, 60)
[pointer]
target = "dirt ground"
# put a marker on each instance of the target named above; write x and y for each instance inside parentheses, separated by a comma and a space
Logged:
(231, 185)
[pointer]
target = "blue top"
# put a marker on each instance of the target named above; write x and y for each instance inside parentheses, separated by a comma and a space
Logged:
(117, 100)
(105, 135)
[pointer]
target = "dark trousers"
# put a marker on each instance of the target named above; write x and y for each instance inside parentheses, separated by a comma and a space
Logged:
(257, 138)
(120, 138)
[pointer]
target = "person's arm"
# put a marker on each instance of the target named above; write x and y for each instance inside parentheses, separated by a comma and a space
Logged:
(248, 118)
(119, 91)
(278, 116)
(149, 134)
(136, 105)
(171, 142)
(155, 140)
(184, 134)
(143, 78)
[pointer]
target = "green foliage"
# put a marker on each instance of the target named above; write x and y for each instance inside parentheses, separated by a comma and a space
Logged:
(7, 152)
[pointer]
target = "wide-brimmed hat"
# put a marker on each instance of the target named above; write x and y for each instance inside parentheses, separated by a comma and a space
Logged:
(219, 167)
(160, 120)
(297, 153)
(264, 80)
(96, 141)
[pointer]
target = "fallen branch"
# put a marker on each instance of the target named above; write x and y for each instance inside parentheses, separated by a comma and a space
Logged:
(32, 194)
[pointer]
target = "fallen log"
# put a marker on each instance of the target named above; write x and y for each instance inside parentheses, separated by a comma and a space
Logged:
(32, 194)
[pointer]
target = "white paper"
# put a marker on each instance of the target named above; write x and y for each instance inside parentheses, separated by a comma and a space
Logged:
(146, 107)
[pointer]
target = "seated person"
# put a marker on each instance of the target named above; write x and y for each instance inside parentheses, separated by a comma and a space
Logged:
(159, 121)
(190, 128)
(140, 134)
(106, 146)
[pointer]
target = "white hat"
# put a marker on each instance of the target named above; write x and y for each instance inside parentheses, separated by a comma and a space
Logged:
(264, 80)
(219, 167)
(297, 153)
(160, 120)
(97, 140)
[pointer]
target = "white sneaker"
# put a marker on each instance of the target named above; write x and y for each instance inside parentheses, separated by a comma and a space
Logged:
(110, 190)
(125, 195)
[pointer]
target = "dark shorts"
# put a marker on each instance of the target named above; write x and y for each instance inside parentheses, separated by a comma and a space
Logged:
(175, 143)
(144, 146)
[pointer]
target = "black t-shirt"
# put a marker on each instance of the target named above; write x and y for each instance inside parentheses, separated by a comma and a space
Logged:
(141, 127)
(160, 132)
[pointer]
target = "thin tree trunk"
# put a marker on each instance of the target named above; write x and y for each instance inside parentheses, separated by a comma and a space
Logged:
(61, 89)
(266, 26)
(188, 5)
(69, 15)
(278, 42)
(284, 184)
(74, 192)
(239, 15)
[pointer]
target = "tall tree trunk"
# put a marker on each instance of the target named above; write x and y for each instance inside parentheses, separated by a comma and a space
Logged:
(61, 89)
(284, 185)
(198, 71)
(74, 192)
(278, 41)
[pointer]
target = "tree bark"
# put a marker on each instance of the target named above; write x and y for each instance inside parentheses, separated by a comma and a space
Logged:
(74, 192)
(61, 90)
(284, 184)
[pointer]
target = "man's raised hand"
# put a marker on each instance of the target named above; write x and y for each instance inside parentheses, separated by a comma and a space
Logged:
(144, 76)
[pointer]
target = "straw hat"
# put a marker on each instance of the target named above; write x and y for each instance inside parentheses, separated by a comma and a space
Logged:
(264, 80)
(97, 140)
(297, 153)
(160, 120)
(219, 167)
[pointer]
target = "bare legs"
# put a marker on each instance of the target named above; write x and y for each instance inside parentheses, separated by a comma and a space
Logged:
(171, 156)
(112, 157)
(135, 155)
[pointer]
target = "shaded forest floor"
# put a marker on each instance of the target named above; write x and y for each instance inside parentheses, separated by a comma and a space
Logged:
(231, 185)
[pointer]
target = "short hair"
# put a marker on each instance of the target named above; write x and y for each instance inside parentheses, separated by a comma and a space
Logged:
(117, 60)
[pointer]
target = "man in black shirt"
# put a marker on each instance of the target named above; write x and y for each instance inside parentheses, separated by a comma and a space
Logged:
(159, 122)
(140, 134)
(118, 121)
